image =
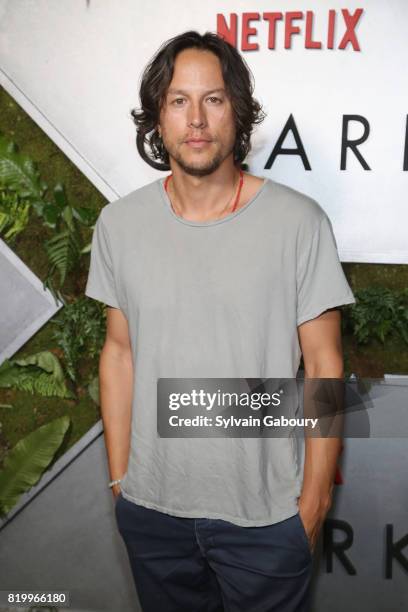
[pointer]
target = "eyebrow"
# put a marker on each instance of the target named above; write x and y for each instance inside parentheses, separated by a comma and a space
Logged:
(181, 91)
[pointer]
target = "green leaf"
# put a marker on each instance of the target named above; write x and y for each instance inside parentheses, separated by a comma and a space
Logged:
(63, 251)
(60, 196)
(50, 214)
(86, 216)
(87, 248)
(38, 373)
(18, 172)
(93, 389)
(68, 217)
(14, 214)
(27, 461)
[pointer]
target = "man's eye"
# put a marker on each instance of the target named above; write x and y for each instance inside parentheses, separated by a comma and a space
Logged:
(177, 100)
(215, 99)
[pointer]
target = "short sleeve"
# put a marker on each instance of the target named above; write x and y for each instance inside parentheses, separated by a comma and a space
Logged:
(101, 282)
(321, 282)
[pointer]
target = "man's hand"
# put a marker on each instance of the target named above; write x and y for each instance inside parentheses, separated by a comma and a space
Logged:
(115, 491)
(312, 517)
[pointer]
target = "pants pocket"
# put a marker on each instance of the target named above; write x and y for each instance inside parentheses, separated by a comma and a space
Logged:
(117, 503)
(304, 534)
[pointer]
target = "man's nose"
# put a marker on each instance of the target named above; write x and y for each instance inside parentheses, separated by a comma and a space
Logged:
(196, 115)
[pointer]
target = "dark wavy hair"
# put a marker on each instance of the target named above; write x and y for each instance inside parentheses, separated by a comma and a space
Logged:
(156, 79)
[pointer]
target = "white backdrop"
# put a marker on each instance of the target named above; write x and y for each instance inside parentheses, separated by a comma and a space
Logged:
(75, 66)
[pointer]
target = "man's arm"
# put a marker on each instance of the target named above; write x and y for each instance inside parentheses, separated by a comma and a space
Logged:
(320, 341)
(116, 384)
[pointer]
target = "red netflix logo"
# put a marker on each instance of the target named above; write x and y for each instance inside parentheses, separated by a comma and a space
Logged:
(282, 27)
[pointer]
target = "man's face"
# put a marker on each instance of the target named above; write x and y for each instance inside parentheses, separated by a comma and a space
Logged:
(196, 106)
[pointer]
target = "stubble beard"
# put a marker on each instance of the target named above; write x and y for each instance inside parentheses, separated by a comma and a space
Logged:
(205, 168)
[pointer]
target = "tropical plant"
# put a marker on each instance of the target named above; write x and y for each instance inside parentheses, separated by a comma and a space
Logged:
(28, 459)
(38, 373)
(66, 247)
(19, 174)
(80, 332)
(14, 214)
(22, 188)
(378, 313)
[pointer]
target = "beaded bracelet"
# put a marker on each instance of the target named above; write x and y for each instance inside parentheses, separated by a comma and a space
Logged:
(113, 482)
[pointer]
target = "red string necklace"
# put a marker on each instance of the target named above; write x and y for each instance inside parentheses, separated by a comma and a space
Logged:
(241, 181)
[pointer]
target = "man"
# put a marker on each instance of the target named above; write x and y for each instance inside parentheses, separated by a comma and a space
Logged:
(213, 273)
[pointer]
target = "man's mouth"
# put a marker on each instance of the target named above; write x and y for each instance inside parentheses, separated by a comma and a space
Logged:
(197, 142)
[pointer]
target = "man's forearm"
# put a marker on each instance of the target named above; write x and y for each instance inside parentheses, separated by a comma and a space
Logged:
(321, 453)
(116, 388)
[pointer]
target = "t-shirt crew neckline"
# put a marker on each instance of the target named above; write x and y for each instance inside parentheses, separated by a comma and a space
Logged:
(167, 203)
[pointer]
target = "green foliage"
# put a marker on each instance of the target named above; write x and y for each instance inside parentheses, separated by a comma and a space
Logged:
(378, 313)
(63, 252)
(66, 237)
(18, 173)
(14, 214)
(80, 332)
(66, 247)
(93, 390)
(21, 188)
(26, 462)
(38, 373)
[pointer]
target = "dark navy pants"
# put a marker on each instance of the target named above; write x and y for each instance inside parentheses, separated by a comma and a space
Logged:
(211, 565)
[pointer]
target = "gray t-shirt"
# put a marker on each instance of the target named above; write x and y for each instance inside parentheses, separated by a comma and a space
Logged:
(215, 299)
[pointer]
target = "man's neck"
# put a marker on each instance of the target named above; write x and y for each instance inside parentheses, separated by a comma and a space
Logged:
(202, 198)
